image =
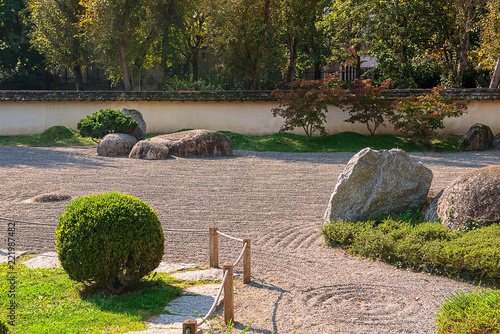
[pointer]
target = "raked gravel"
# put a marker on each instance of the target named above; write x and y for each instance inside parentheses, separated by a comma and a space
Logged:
(276, 199)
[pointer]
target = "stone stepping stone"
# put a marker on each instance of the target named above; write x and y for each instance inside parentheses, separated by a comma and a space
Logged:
(199, 275)
(196, 298)
(4, 255)
(46, 260)
(168, 268)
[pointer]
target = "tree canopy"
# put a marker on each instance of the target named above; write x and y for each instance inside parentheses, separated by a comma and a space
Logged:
(259, 43)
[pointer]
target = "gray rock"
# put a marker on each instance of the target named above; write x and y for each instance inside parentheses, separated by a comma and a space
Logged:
(379, 182)
(116, 144)
(150, 149)
(470, 201)
(140, 131)
(495, 144)
(198, 143)
(478, 138)
(166, 267)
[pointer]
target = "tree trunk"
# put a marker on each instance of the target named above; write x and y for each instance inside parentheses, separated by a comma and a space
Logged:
(495, 79)
(465, 43)
(317, 71)
(358, 67)
(194, 66)
(124, 66)
(77, 73)
(293, 44)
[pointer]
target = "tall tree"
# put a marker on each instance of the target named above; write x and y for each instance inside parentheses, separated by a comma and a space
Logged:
(21, 66)
(346, 25)
(490, 40)
(247, 38)
(299, 19)
(57, 33)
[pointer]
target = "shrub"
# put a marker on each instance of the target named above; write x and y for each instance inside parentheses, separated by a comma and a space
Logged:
(366, 104)
(426, 246)
(105, 121)
(474, 312)
(418, 117)
(112, 240)
(307, 103)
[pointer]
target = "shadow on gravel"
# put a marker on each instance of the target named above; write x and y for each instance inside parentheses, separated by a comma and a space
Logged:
(281, 292)
(334, 158)
(461, 159)
(44, 157)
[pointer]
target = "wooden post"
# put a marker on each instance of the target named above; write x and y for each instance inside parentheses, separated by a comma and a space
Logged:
(213, 244)
(228, 294)
(190, 327)
(247, 271)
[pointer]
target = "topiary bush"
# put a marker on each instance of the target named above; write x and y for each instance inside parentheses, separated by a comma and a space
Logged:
(111, 240)
(105, 121)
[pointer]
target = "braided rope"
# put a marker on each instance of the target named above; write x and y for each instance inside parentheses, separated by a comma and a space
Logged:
(214, 305)
(230, 237)
(25, 222)
(241, 255)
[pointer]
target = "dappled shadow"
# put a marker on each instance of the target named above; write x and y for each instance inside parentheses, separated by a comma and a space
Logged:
(51, 157)
(145, 299)
(459, 159)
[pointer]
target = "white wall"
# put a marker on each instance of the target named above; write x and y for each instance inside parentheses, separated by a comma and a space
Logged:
(252, 118)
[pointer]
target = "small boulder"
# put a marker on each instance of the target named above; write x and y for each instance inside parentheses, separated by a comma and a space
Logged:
(140, 131)
(150, 149)
(379, 182)
(116, 144)
(478, 138)
(495, 144)
(472, 200)
(198, 143)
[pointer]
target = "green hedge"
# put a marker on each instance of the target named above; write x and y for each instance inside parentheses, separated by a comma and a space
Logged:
(428, 246)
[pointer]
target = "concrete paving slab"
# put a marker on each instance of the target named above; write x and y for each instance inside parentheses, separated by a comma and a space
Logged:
(199, 275)
(4, 255)
(199, 299)
(168, 268)
(45, 260)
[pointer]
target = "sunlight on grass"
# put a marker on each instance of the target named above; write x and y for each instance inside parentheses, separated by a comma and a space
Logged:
(49, 302)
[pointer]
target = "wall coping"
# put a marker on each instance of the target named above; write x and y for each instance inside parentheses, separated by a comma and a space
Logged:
(216, 96)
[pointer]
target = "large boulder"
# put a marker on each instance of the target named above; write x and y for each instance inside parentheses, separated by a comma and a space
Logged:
(150, 149)
(478, 138)
(140, 131)
(379, 182)
(472, 200)
(116, 144)
(198, 143)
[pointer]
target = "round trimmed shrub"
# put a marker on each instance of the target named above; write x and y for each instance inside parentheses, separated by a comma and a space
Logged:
(105, 121)
(112, 240)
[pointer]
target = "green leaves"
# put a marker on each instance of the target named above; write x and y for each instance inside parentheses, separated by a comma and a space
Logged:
(105, 121)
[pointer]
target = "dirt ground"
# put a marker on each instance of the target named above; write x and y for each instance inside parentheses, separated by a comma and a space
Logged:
(276, 199)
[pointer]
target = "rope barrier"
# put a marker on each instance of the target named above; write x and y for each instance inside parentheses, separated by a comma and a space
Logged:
(25, 222)
(216, 300)
(229, 237)
(241, 255)
(183, 230)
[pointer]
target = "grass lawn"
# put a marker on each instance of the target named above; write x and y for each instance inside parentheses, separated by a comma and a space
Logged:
(49, 302)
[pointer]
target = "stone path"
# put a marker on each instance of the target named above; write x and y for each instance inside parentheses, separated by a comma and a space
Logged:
(195, 300)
